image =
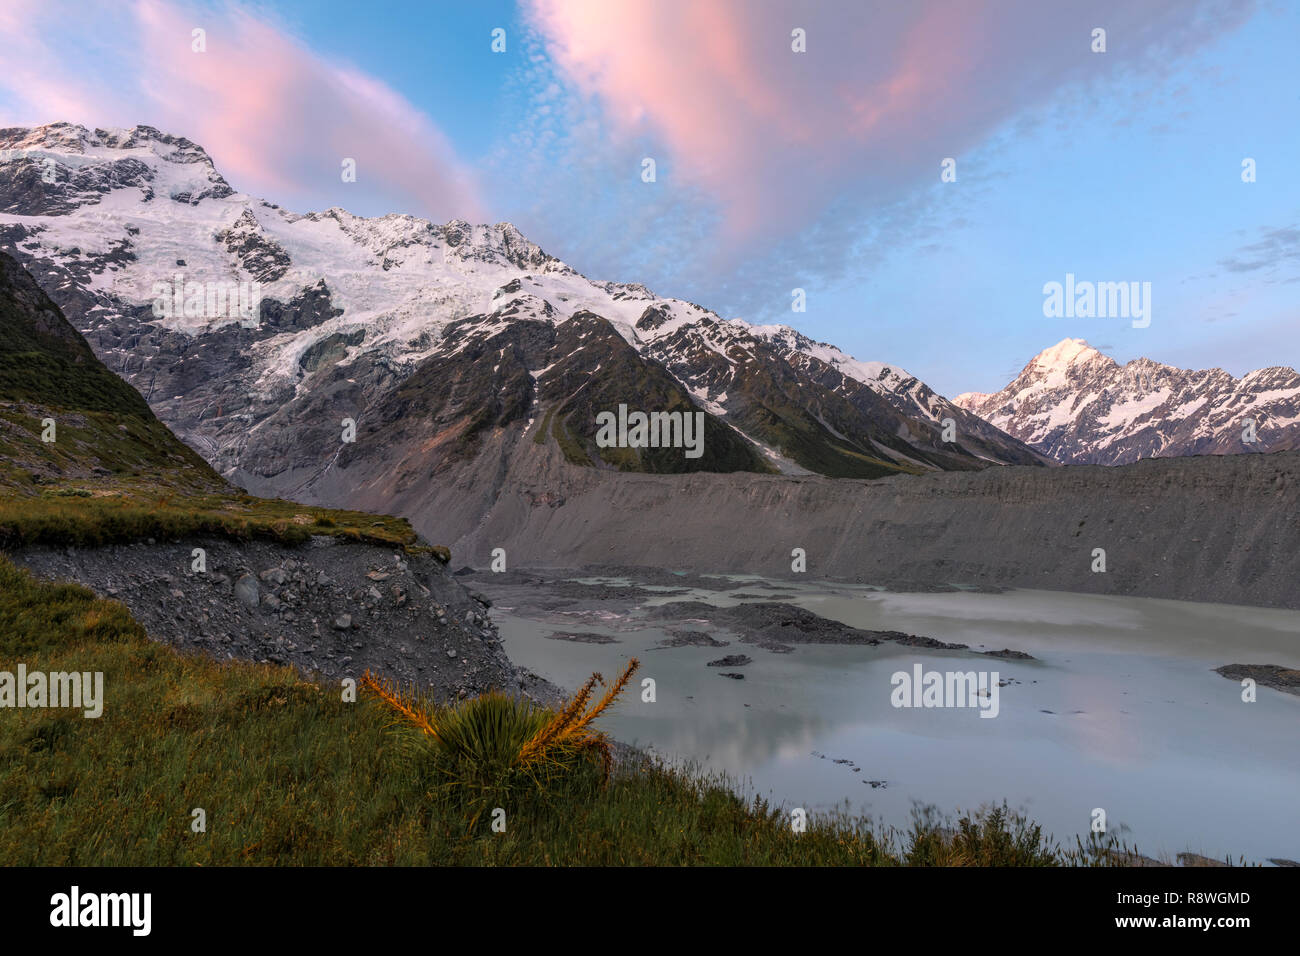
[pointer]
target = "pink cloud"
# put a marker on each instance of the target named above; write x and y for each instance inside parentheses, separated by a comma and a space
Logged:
(277, 118)
(883, 94)
(30, 68)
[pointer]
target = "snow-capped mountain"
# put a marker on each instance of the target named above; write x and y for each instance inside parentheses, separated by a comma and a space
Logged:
(1079, 406)
(253, 331)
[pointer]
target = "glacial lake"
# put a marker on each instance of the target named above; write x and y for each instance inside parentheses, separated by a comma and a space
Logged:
(1121, 710)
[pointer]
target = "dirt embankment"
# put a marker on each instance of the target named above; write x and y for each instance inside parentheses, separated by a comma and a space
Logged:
(1215, 528)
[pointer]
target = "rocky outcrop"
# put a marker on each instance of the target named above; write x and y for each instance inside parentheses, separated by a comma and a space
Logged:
(332, 609)
(260, 256)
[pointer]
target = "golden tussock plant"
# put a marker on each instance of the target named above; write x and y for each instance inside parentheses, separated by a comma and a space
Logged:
(405, 705)
(495, 750)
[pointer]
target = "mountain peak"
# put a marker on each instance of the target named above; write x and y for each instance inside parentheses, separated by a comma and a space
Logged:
(500, 241)
(1065, 353)
(74, 139)
(60, 167)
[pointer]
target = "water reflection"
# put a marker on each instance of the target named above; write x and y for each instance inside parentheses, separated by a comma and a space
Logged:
(1121, 710)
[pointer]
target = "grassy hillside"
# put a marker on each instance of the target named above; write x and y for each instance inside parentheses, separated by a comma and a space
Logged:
(63, 415)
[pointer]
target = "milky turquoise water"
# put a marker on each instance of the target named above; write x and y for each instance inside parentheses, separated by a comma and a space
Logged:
(1139, 723)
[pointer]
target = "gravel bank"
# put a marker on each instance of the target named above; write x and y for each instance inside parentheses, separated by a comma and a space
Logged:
(330, 609)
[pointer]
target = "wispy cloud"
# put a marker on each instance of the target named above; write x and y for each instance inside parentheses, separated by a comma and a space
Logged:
(1274, 248)
(767, 155)
(277, 118)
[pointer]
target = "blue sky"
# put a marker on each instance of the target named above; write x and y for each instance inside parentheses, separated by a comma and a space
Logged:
(775, 170)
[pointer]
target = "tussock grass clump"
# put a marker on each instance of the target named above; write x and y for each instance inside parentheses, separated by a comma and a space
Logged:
(994, 836)
(497, 750)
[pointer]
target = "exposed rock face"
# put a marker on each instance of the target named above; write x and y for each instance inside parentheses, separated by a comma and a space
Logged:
(536, 381)
(35, 183)
(262, 258)
(1080, 406)
(32, 188)
(788, 392)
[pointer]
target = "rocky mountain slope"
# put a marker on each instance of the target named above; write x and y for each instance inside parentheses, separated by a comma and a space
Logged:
(1082, 407)
(474, 328)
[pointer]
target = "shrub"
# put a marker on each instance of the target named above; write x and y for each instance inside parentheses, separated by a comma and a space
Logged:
(495, 750)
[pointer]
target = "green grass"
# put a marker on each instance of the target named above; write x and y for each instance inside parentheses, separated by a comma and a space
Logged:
(97, 515)
(101, 445)
(290, 774)
(51, 370)
(806, 441)
(572, 448)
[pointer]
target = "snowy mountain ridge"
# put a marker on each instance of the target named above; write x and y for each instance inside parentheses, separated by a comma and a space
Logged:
(1080, 406)
(102, 217)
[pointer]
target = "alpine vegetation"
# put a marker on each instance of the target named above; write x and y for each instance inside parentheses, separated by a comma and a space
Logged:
(494, 748)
